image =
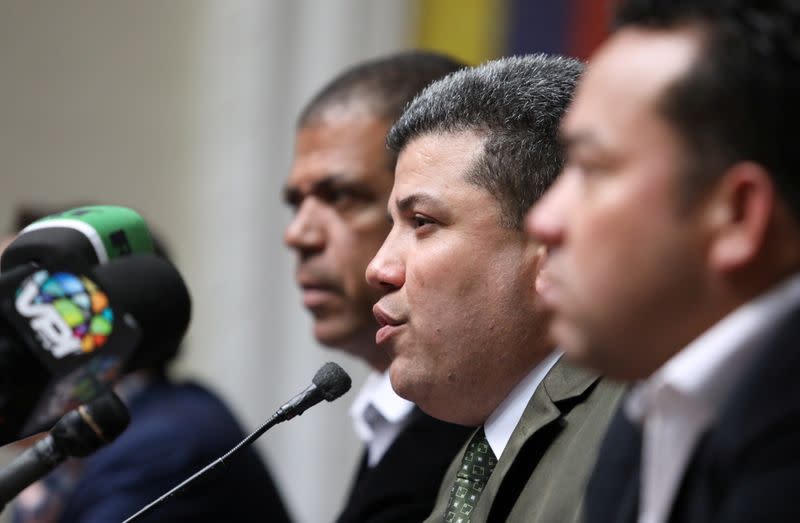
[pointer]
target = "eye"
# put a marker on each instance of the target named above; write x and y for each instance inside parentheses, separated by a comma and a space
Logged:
(420, 221)
(293, 198)
(336, 195)
(344, 196)
(587, 164)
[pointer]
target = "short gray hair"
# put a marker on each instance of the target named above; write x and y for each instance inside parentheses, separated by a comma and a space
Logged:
(516, 103)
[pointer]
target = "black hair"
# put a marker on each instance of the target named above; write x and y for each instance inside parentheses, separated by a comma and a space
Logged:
(740, 100)
(384, 86)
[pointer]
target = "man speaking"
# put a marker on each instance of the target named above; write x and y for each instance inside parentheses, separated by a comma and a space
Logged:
(459, 314)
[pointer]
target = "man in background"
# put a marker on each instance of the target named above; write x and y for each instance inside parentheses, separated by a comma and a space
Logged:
(674, 237)
(176, 429)
(338, 186)
(460, 317)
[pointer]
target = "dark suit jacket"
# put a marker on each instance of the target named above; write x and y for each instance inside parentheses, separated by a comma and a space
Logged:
(402, 486)
(541, 475)
(747, 466)
(175, 430)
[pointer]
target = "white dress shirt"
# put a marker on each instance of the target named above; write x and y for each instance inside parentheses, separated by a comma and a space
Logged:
(679, 401)
(502, 422)
(379, 415)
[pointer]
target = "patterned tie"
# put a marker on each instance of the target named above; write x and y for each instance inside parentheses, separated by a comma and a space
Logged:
(476, 467)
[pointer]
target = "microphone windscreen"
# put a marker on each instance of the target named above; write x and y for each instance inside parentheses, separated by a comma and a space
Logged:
(82, 431)
(152, 290)
(332, 381)
(109, 416)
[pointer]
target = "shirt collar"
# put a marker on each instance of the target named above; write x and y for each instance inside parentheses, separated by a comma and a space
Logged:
(502, 422)
(377, 394)
(707, 368)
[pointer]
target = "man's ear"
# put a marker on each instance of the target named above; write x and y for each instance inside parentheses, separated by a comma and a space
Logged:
(541, 268)
(738, 216)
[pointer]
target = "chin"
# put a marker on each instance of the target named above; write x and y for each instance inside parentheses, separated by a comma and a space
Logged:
(591, 355)
(405, 383)
(334, 332)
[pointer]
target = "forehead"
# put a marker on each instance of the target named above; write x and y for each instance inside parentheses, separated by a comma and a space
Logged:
(627, 78)
(347, 144)
(438, 162)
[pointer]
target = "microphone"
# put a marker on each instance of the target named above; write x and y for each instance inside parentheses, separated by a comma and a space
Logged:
(154, 296)
(77, 434)
(330, 382)
(72, 241)
(92, 235)
(68, 334)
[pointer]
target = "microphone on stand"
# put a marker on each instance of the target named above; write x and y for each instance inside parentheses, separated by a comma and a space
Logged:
(330, 382)
(78, 433)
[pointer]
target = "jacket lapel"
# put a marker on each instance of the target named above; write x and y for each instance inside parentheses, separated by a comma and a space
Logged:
(564, 382)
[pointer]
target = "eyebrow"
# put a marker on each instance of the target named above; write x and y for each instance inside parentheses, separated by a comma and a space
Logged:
(404, 204)
(293, 194)
(586, 138)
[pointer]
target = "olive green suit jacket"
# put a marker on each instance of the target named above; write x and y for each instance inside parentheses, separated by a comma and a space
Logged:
(542, 473)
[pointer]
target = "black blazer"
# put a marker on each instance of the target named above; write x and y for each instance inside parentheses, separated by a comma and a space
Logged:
(402, 487)
(746, 468)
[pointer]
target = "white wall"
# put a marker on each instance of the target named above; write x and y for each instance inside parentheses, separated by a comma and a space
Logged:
(184, 110)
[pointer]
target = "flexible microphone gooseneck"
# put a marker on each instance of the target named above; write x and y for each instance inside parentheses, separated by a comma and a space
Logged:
(330, 382)
(78, 433)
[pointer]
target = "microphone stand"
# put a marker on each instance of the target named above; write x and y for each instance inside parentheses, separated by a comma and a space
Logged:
(276, 418)
(329, 383)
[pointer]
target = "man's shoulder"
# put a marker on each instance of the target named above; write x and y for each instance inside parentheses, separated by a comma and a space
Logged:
(577, 393)
(766, 401)
(549, 473)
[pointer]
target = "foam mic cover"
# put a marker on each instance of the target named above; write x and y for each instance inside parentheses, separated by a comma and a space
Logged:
(332, 381)
(82, 431)
(78, 433)
(153, 294)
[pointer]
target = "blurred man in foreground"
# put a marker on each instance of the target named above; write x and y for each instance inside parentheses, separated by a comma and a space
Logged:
(459, 314)
(674, 236)
(338, 187)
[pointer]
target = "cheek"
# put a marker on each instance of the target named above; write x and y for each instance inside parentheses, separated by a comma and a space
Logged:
(634, 259)
(615, 227)
(457, 309)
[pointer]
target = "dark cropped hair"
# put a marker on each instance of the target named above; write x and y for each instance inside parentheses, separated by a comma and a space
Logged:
(739, 101)
(384, 84)
(516, 105)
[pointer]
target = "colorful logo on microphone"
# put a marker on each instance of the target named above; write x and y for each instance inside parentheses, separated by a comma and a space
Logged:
(68, 313)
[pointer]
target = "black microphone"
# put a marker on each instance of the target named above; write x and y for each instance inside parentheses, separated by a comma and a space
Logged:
(147, 312)
(72, 241)
(77, 434)
(330, 382)
(153, 294)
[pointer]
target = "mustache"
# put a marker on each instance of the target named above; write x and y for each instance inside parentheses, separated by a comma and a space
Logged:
(312, 278)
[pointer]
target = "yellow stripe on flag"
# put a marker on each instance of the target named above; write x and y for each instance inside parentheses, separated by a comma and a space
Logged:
(472, 30)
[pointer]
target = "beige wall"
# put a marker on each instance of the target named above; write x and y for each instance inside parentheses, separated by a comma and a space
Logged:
(183, 110)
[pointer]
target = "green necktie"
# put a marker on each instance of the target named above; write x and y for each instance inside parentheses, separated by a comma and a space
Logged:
(476, 467)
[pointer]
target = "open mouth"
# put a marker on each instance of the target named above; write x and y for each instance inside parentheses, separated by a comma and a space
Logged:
(389, 325)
